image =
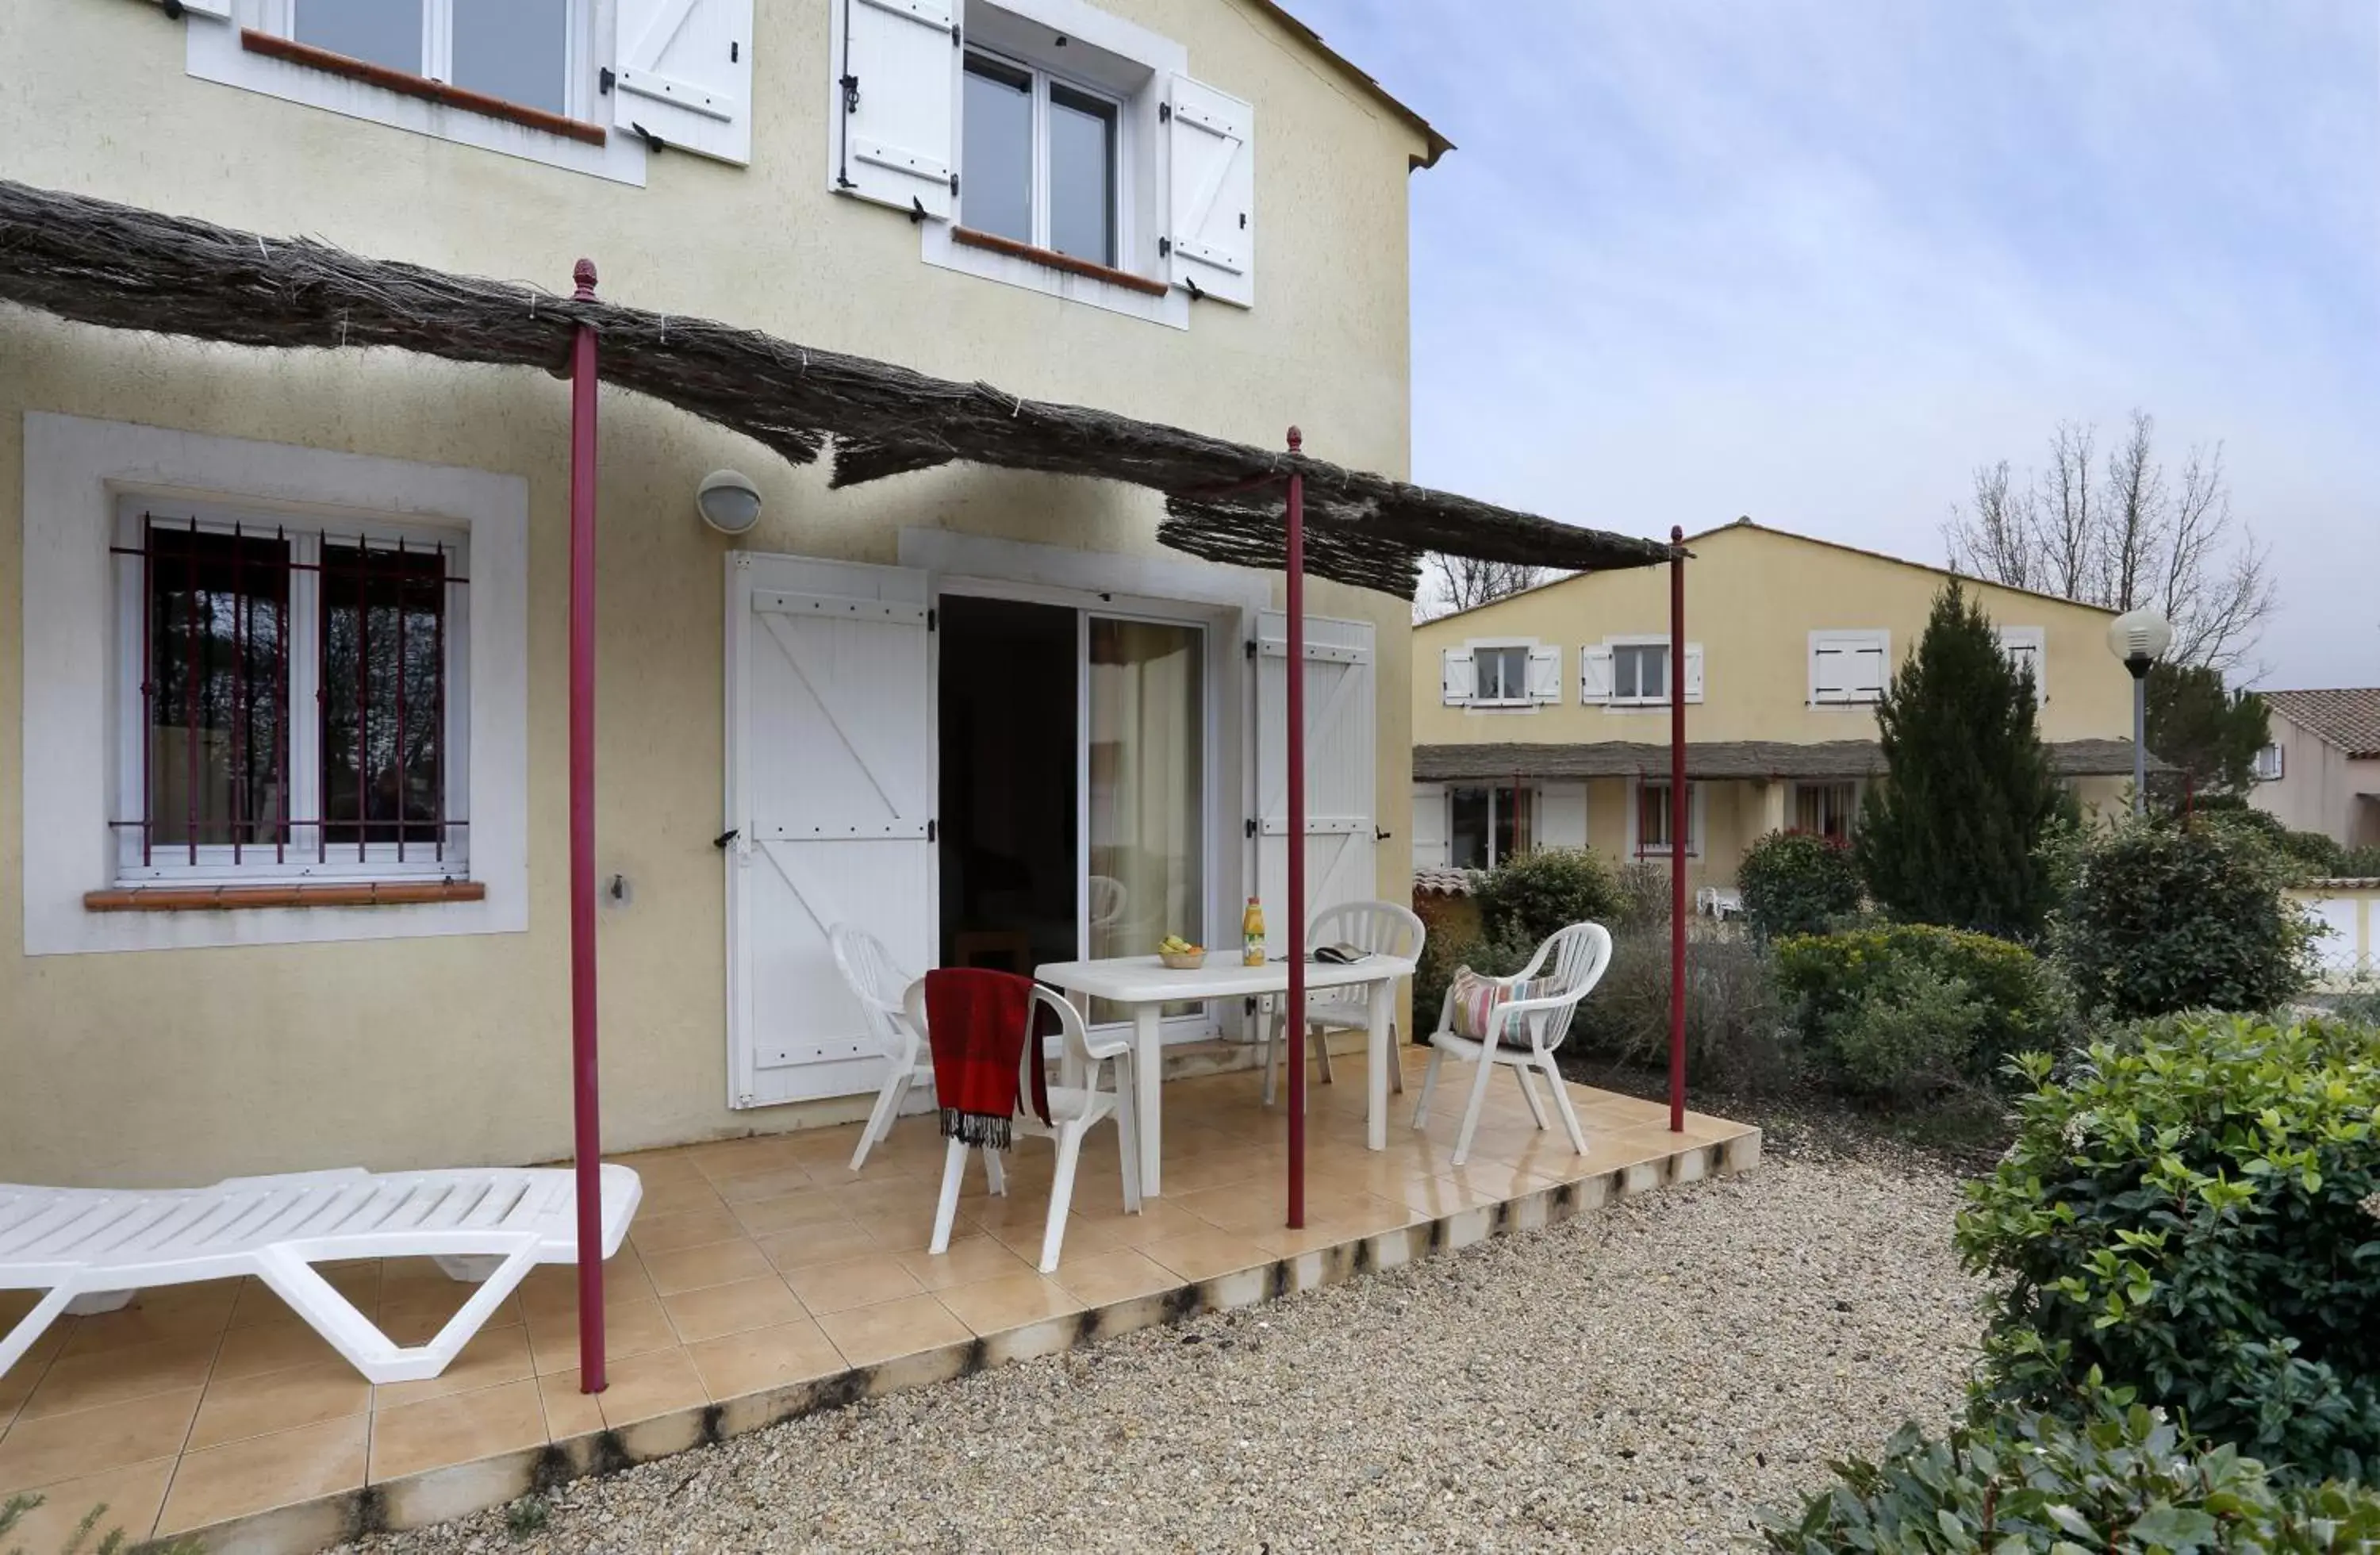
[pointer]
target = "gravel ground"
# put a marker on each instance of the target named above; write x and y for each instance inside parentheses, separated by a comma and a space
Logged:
(1642, 1380)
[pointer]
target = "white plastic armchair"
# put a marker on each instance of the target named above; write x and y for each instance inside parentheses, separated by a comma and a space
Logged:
(1523, 1033)
(868, 969)
(1380, 928)
(1073, 1112)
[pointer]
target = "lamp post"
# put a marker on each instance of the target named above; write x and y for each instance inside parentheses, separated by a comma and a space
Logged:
(2140, 638)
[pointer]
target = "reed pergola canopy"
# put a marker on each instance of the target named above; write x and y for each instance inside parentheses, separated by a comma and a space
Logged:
(121, 267)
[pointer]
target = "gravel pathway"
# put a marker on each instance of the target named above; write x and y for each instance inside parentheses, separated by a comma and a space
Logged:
(1642, 1380)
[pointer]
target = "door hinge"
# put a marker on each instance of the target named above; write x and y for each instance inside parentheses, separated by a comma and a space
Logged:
(603, 79)
(954, 184)
(1250, 647)
(850, 85)
(1165, 113)
(1164, 246)
(735, 53)
(933, 831)
(955, 35)
(1250, 826)
(933, 619)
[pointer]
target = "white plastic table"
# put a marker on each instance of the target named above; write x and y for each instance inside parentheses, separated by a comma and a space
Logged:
(1145, 985)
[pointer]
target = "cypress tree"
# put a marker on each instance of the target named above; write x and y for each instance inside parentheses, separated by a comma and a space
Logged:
(1950, 836)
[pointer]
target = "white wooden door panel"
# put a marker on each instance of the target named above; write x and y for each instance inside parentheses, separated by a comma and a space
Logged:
(1340, 770)
(831, 793)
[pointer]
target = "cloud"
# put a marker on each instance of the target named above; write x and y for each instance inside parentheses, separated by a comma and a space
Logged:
(1817, 260)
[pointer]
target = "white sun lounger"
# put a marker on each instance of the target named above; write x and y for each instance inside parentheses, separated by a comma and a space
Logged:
(92, 1248)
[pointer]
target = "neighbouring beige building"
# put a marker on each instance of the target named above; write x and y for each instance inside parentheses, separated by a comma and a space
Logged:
(300, 617)
(1543, 719)
(2322, 772)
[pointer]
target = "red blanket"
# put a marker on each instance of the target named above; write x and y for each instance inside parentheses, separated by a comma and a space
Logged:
(978, 1022)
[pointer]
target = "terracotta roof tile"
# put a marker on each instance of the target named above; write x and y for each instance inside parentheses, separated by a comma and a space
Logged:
(2348, 717)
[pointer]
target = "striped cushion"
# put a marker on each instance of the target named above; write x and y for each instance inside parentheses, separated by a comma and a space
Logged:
(1476, 997)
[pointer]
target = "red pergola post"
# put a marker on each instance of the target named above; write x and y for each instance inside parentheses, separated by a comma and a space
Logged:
(1293, 1015)
(1679, 814)
(586, 1117)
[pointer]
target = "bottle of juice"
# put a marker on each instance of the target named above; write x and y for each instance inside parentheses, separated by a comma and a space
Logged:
(1252, 931)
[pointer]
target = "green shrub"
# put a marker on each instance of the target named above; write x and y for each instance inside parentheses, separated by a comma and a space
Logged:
(1544, 890)
(1797, 883)
(1646, 896)
(2161, 919)
(2125, 1479)
(2359, 863)
(1830, 982)
(2195, 1214)
(1443, 955)
(1911, 1032)
(1734, 1025)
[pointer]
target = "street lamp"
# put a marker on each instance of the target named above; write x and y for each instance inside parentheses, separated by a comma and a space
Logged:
(2140, 638)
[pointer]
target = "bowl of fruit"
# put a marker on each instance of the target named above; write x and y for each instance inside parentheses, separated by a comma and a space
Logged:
(1180, 954)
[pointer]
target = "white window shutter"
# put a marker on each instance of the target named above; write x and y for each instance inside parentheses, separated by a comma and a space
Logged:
(682, 75)
(1429, 826)
(1341, 733)
(1869, 676)
(1694, 672)
(1544, 675)
(1211, 231)
(1594, 674)
(1459, 677)
(893, 80)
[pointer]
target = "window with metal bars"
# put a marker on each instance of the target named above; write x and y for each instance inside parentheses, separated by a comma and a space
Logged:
(295, 699)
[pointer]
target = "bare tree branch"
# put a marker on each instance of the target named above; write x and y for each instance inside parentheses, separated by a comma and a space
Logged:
(1466, 583)
(2125, 536)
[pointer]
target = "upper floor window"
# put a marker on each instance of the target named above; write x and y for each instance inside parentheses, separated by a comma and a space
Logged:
(1634, 672)
(1049, 145)
(294, 697)
(517, 50)
(1043, 159)
(2027, 651)
(1500, 675)
(1850, 668)
(2271, 764)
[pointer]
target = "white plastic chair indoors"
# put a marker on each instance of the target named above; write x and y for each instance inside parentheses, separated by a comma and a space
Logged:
(1073, 1112)
(867, 967)
(1380, 928)
(1523, 1033)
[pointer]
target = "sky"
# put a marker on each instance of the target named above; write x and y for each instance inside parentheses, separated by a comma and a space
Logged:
(1817, 260)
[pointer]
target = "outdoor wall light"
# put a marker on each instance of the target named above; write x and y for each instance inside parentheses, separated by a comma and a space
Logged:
(2140, 638)
(728, 501)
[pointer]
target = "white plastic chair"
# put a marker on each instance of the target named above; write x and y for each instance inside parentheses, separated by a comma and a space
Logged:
(1073, 1111)
(91, 1249)
(1577, 956)
(1380, 928)
(867, 967)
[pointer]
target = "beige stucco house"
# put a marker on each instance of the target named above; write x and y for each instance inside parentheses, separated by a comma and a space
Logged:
(1543, 719)
(2322, 770)
(288, 617)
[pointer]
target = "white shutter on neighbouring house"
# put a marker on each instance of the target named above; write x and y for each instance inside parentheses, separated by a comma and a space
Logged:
(1429, 826)
(1211, 235)
(830, 812)
(893, 73)
(1544, 675)
(1340, 770)
(682, 75)
(1594, 674)
(1562, 815)
(1694, 672)
(1458, 677)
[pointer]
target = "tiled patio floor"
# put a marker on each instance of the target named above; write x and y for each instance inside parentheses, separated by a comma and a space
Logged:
(764, 1279)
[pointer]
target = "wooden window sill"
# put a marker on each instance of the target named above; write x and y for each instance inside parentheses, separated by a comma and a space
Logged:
(221, 898)
(992, 243)
(422, 87)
